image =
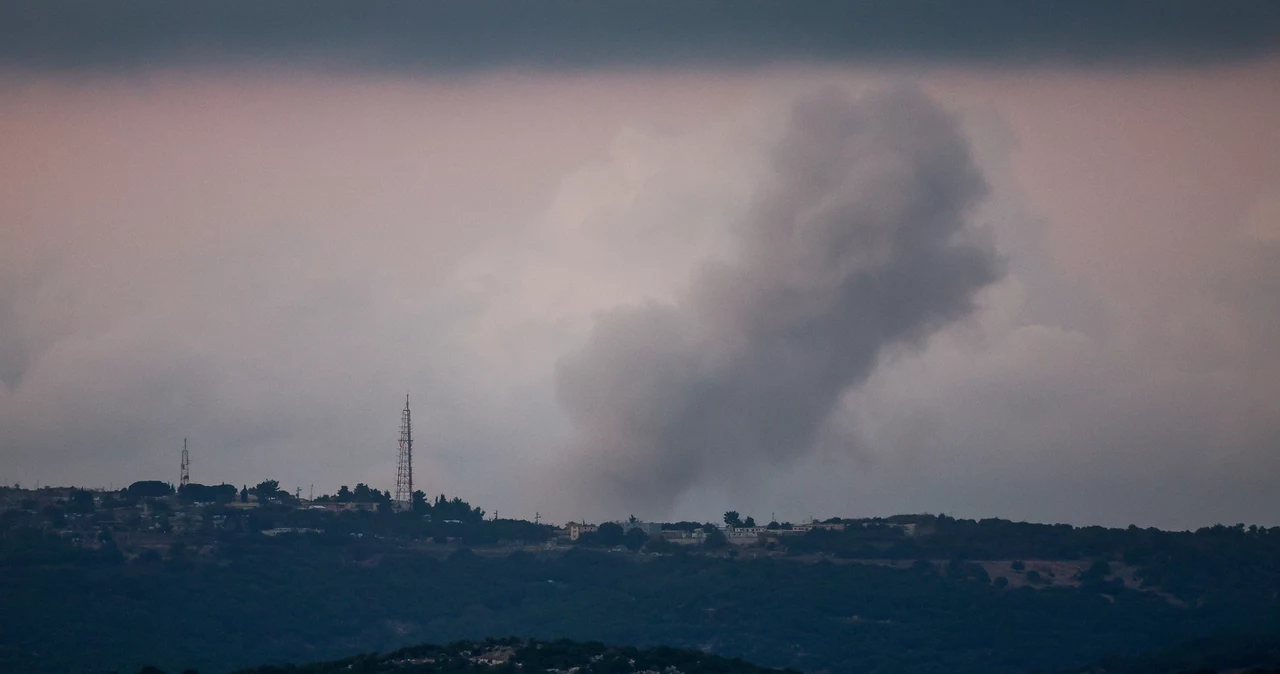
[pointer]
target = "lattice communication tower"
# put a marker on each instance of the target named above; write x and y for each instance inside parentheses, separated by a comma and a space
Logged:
(186, 466)
(404, 468)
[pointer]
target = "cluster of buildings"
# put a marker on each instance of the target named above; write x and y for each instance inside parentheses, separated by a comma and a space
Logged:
(86, 518)
(71, 513)
(90, 518)
(737, 535)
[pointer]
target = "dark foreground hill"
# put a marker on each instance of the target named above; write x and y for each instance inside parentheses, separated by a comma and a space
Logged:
(1229, 655)
(531, 657)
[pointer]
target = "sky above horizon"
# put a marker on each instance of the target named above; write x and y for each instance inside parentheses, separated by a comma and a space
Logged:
(1011, 260)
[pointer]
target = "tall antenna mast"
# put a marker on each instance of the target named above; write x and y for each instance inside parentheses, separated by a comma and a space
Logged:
(404, 468)
(186, 466)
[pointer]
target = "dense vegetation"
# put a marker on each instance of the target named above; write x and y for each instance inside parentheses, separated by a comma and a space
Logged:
(239, 599)
(149, 576)
(1214, 564)
(1236, 655)
(534, 657)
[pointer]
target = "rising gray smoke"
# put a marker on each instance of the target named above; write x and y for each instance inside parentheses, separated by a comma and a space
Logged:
(857, 242)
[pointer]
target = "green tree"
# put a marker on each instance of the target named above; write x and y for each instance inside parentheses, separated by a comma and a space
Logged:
(363, 494)
(660, 544)
(81, 501)
(149, 489)
(635, 539)
(732, 519)
(197, 493)
(446, 509)
(610, 534)
(715, 540)
(267, 489)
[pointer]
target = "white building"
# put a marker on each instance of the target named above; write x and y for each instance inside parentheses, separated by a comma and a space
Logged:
(576, 529)
(743, 535)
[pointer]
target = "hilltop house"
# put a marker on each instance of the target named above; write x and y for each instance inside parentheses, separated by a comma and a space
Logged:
(576, 529)
(743, 535)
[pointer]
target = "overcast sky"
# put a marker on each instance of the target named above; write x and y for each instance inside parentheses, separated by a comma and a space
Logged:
(996, 259)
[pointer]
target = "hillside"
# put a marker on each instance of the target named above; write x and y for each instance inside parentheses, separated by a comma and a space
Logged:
(1227, 655)
(533, 657)
(957, 596)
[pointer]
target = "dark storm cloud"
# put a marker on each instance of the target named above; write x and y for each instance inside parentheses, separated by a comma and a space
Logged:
(856, 243)
(571, 34)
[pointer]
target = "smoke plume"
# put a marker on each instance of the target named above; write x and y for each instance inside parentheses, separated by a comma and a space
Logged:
(857, 242)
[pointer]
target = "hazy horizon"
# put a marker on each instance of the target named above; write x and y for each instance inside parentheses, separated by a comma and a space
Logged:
(1012, 267)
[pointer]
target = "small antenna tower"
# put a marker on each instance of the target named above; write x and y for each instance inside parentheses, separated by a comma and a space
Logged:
(404, 468)
(186, 466)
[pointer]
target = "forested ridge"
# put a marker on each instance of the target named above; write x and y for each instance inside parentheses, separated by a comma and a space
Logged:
(958, 596)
